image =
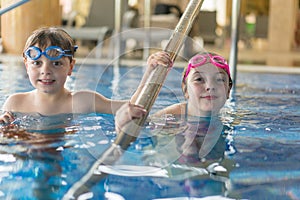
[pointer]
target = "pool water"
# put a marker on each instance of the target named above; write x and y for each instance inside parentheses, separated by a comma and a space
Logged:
(252, 153)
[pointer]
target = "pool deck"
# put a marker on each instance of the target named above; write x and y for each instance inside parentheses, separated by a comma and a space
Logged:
(15, 59)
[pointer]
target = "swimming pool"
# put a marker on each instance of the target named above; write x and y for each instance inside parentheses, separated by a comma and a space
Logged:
(257, 158)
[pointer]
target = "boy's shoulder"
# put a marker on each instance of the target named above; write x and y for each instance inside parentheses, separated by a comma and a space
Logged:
(15, 100)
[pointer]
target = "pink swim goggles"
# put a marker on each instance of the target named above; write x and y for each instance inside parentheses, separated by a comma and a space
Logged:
(201, 59)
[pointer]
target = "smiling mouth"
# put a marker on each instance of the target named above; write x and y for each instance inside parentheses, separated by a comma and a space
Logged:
(46, 82)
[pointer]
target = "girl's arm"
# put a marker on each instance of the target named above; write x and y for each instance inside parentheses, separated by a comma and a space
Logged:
(160, 58)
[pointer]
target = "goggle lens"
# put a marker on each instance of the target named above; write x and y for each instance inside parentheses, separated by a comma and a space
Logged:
(219, 60)
(198, 60)
(32, 53)
(54, 53)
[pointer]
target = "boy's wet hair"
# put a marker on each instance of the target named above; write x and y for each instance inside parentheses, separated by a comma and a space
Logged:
(50, 36)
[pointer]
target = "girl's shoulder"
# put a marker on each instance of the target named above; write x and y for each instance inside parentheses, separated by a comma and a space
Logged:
(175, 109)
(86, 93)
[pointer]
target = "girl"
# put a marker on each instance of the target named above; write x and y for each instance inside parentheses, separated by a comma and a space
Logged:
(201, 139)
(206, 85)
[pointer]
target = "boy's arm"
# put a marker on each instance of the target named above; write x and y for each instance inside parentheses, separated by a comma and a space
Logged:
(130, 111)
(89, 101)
(6, 118)
(126, 113)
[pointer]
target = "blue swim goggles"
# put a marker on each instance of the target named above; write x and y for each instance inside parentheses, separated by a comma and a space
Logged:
(51, 52)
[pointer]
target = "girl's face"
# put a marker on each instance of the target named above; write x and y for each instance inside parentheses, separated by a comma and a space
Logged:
(207, 90)
(49, 76)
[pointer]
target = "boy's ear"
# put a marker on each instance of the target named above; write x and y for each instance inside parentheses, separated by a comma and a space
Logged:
(25, 63)
(71, 67)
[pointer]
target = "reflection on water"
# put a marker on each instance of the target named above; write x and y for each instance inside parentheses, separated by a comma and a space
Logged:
(32, 155)
(44, 161)
(189, 153)
(178, 158)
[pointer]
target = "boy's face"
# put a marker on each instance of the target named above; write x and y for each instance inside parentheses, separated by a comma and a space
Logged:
(207, 89)
(48, 76)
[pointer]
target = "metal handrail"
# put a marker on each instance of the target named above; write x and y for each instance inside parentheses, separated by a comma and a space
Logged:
(14, 5)
(234, 44)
